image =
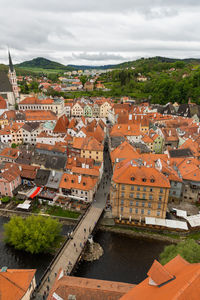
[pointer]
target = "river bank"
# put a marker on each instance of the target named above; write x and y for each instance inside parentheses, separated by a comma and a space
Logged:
(134, 232)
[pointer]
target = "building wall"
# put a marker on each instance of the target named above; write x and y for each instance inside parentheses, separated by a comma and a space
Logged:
(6, 188)
(104, 108)
(57, 108)
(96, 155)
(176, 189)
(30, 290)
(191, 192)
(127, 201)
(158, 145)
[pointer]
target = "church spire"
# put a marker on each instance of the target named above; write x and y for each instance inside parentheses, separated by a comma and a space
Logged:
(11, 67)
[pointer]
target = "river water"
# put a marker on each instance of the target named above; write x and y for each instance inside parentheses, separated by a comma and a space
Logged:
(125, 258)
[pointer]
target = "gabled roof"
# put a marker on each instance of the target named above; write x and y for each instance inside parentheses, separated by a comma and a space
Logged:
(183, 283)
(70, 181)
(135, 173)
(15, 283)
(61, 125)
(3, 103)
(88, 143)
(124, 151)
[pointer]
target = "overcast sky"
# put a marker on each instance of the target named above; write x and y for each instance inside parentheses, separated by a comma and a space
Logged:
(97, 32)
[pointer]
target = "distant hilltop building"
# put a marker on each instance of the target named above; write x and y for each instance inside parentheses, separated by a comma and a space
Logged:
(13, 78)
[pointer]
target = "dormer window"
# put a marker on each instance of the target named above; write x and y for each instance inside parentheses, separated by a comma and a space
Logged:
(144, 179)
(84, 183)
(72, 181)
(65, 179)
(132, 178)
(152, 180)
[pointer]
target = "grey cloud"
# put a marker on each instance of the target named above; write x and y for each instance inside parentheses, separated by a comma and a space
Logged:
(97, 56)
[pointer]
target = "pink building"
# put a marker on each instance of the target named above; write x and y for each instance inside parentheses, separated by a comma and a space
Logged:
(9, 180)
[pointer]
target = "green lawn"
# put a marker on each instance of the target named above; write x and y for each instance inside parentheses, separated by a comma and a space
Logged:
(58, 211)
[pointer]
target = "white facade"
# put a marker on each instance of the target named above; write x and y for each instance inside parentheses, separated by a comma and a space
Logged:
(77, 110)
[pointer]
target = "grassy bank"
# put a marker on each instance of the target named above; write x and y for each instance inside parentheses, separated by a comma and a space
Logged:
(59, 212)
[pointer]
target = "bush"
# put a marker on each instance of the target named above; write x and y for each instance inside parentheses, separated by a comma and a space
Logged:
(188, 249)
(35, 234)
(5, 199)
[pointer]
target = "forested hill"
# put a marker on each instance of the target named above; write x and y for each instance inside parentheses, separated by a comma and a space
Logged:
(43, 63)
(158, 79)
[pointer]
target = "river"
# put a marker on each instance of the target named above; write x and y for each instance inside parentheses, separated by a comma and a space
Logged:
(125, 258)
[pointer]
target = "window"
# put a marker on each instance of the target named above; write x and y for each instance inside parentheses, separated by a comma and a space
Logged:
(144, 189)
(144, 196)
(131, 203)
(123, 187)
(132, 178)
(132, 188)
(136, 210)
(159, 205)
(152, 180)
(138, 196)
(142, 211)
(149, 205)
(122, 194)
(149, 211)
(97, 152)
(122, 202)
(143, 204)
(130, 210)
(150, 197)
(138, 188)
(122, 209)
(174, 193)
(144, 179)
(161, 190)
(160, 198)
(151, 190)
(131, 195)
(137, 203)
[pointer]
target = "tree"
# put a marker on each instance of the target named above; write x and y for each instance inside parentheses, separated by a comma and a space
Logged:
(188, 249)
(35, 234)
(83, 79)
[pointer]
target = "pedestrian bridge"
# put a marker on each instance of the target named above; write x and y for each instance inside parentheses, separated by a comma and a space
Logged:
(71, 252)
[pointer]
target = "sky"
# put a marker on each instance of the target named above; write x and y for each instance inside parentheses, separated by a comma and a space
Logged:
(98, 32)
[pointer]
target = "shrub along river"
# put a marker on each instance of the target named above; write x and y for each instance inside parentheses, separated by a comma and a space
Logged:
(125, 258)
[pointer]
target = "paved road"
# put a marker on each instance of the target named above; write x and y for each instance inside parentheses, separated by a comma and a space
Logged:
(73, 249)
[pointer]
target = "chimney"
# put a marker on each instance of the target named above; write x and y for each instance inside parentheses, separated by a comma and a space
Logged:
(53, 173)
(130, 117)
(128, 127)
(87, 166)
(83, 166)
(79, 178)
(20, 168)
(170, 132)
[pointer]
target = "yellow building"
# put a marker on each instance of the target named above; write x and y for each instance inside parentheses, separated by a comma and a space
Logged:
(138, 191)
(17, 133)
(89, 147)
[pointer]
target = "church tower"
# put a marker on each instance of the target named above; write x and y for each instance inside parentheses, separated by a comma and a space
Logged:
(13, 78)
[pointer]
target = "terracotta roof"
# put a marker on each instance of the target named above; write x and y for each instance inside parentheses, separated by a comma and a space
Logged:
(132, 172)
(125, 130)
(70, 181)
(61, 125)
(78, 161)
(88, 289)
(85, 171)
(184, 285)
(54, 148)
(146, 139)
(10, 173)
(159, 274)
(3, 103)
(34, 100)
(124, 151)
(15, 283)
(88, 143)
(10, 152)
(39, 115)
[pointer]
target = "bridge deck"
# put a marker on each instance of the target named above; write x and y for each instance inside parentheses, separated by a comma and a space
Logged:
(73, 248)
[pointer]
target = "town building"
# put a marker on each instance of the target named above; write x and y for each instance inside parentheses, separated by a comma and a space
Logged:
(138, 190)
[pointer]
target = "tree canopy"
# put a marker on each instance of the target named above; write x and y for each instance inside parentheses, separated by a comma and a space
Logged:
(35, 234)
(188, 249)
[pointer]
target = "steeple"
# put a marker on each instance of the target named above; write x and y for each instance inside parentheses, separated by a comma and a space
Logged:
(10, 63)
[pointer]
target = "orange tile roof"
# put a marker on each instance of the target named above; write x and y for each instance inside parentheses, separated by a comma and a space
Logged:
(3, 103)
(159, 274)
(48, 147)
(61, 125)
(70, 181)
(34, 100)
(88, 143)
(192, 145)
(125, 130)
(39, 115)
(184, 285)
(128, 169)
(15, 283)
(88, 289)
(78, 161)
(146, 139)
(85, 171)
(10, 152)
(124, 151)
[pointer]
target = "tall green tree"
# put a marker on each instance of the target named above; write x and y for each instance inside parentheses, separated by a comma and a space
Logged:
(188, 249)
(35, 234)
